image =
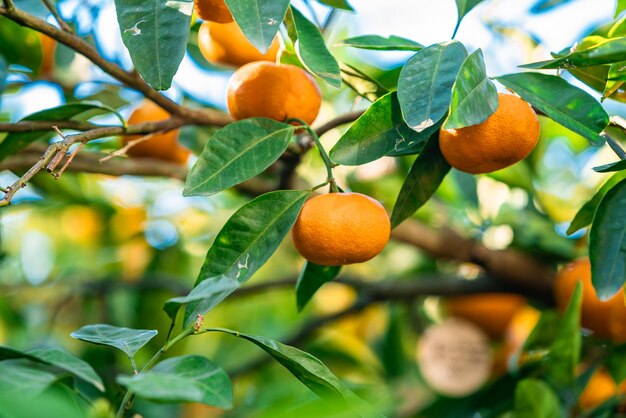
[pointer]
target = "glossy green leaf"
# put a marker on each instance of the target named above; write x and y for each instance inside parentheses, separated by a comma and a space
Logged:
(156, 34)
(425, 84)
(183, 379)
(615, 79)
(66, 361)
(607, 243)
(381, 43)
(337, 4)
(422, 181)
(535, 399)
(311, 278)
(568, 105)
(620, 7)
(309, 370)
(244, 244)
(377, 132)
(20, 45)
(608, 52)
(237, 152)
(17, 141)
(128, 340)
(259, 20)
(17, 378)
(362, 84)
(463, 8)
(312, 51)
(474, 96)
(611, 167)
(615, 363)
(585, 215)
(565, 351)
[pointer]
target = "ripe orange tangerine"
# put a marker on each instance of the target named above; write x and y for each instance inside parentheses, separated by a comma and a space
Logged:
(275, 91)
(341, 228)
(506, 137)
(213, 10)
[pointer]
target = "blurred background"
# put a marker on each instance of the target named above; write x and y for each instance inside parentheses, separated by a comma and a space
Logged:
(100, 249)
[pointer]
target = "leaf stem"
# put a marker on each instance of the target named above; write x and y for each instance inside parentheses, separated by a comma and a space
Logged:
(617, 149)
(456, 28)
(320, 148)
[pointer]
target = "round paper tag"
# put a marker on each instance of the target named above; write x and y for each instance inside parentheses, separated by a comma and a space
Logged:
(454, 357)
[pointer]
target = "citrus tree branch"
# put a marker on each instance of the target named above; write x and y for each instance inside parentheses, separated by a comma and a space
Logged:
(57, 16)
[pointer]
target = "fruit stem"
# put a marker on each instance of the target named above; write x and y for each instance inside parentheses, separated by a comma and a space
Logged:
(320, 148)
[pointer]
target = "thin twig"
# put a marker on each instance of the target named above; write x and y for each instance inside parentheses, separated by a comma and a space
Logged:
(69, 160)
(57, 16)
(122, 151)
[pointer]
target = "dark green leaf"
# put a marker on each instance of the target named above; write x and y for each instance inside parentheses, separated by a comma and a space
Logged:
(20, 45)
(312, 50)
(585, 215)
(128, 340)
(237, 152)
(259, 20)
(615, 363)
(608, 52)
(311, 278)
(615, 79)
(8, 353)
(244, 244)
(337, 4)
(474, 96)
(425, 84)
(379, 131)
(309, 370)
(66, 361)
(565, 351)
(17, 378)
(364, 85)
(542, 336)
(535, 399)
(381, 43)
(611, 167)
(463, 8)
(607, 243)
(155, 33)
(183, 379)
(424, 178)
(568, 105)
(15, 142)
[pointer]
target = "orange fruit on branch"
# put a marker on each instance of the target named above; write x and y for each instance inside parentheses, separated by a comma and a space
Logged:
(341, 228)
(163, 146)
(600, 388)
(213, 11)
(595, 314)
(226, 44)
(506, 137)
(275, 91)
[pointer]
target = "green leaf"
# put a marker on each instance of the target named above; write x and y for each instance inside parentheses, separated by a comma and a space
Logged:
(4, 73)
(259, 20)
(607, 52)
(535, 399)
(15, 142)
(66, 361)
(615, 79)
(379, 131)
(542, 336)
(337, 4)
(183, 379)
(611, 167)
(17, 378)
(463, 8)
(311, 278)
(244, 244)
(312, 51)
(128, 340)
(565, 351)
(607, 243)
(237, 152)
(585, 215)
(362, 84)
(620, 7)
(309, 370)
(156, 34)
(381, 43)
(565, 104)
(194, 52)
(425, 84)
(474, 96)
(615, 363)
(422, 181)
(20, 45)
